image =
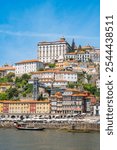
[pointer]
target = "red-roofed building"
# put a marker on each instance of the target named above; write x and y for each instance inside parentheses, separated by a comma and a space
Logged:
(28, 66)
(71, 102)
(6, 69)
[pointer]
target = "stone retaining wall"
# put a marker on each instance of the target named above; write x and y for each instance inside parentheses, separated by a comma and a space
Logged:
(67, 126)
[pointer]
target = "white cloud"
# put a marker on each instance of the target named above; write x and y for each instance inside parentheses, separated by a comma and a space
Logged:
(32, 34)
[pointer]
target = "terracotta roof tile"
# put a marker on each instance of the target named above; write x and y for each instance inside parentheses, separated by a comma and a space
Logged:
(7, 68)
(28, 61)
(25, 101)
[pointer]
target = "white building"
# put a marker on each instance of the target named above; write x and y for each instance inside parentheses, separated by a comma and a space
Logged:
(96, 110)
(59, 84)
(51, 51)
(84, 56)
(95, 55)
(71, 55)
(53, 75)
(28, 66)
(54, 78)
(6, 69)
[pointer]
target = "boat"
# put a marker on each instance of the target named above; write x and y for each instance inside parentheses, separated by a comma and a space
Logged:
(25, 126)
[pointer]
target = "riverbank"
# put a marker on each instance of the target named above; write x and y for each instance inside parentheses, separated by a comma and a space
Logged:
(70, 127)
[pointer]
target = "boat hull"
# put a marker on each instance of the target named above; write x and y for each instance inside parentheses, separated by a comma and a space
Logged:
(21, 128)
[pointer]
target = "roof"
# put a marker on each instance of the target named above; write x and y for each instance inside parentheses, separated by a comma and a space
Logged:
(25, 101)
(58, 94)
(79, 94)
(71, 90)
(55, 71)
(72, 53)
(28, 61)
(51, 81)
(87, 47)
(61, 40)
(7, 68)
(5, 84)
(60, 81)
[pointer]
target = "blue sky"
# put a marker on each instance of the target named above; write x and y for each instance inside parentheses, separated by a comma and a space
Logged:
(23, 23)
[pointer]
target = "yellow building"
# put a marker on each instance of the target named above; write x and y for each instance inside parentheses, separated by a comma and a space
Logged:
(43, 106)
(1, 106)
(19, 107)
(25, 107)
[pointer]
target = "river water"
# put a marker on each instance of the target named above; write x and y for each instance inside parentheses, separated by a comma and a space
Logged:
(13, 139)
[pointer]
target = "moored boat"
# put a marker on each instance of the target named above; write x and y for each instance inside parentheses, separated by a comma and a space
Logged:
(25, 126)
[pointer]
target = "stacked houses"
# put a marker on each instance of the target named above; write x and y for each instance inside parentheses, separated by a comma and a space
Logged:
(68, 63)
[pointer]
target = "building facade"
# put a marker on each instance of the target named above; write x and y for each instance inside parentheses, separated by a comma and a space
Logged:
(55, 78)
(25, 107)
(28, 66)
(6, 69)
(70, 103)
(84, 55)
(51, 51)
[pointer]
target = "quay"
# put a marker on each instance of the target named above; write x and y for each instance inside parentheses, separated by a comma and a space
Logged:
(86, 124)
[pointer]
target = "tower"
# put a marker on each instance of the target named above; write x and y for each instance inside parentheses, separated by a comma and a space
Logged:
(35, 89)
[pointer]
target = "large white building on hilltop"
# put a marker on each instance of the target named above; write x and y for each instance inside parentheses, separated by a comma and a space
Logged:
(28, 66)
(51, 51)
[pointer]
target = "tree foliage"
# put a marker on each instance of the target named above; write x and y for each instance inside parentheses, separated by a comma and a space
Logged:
(92, 89)
(52, 65)
(12, 93)
(3, 96)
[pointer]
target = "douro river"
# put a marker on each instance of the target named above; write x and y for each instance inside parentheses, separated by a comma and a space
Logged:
(13, 139)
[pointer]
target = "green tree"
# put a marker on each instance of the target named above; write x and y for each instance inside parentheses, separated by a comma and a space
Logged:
(92, 89)
(88, 77)
(10, 75)
(52, 65)
(28, 88)
(24, 94)
(40, 97)
(71, 85)
(3, 96)
(3, 80)
(12, 93)
(25, 77)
